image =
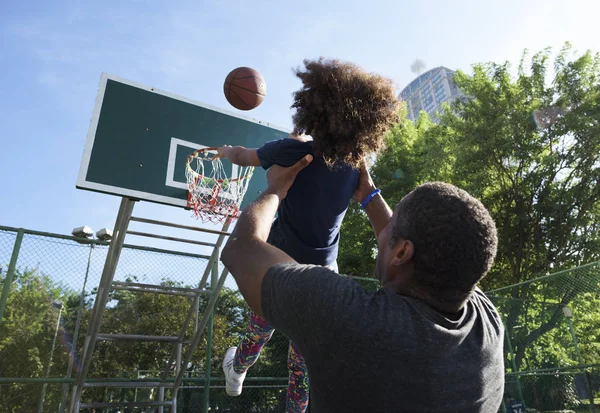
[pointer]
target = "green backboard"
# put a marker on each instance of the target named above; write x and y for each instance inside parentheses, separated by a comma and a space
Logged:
(139, 138)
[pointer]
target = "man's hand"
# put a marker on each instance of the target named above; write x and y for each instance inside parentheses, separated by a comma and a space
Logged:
(247, 255)
(365, 184)
(280, 179)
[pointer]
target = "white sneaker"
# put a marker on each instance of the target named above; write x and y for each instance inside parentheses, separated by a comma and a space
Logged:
(233, 380)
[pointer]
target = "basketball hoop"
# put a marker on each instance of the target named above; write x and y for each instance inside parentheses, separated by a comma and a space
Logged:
(212, 195)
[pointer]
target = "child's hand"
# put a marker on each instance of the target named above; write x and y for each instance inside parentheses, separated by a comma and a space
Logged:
(365, 183)
(222, 152)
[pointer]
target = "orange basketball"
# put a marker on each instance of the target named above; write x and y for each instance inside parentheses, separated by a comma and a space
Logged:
(244, 88)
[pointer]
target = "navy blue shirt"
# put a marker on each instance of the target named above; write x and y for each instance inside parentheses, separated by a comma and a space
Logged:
(308, 221)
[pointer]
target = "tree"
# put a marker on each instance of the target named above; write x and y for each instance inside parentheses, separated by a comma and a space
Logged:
(26, 334)
(164, 315)
(541, 185)
(29, 325)
(414, 153)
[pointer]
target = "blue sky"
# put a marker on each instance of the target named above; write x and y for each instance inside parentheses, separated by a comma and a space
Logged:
(53, 53)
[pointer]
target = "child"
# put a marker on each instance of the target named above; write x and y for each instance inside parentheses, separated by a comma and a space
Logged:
(346, 111)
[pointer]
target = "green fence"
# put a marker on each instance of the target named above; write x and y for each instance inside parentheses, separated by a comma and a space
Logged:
(553, 339)
(47, 287)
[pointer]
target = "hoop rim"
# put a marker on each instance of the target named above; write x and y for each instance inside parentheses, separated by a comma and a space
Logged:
(218, 195)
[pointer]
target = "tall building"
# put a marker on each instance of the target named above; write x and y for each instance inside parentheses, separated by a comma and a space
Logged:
(428, 91)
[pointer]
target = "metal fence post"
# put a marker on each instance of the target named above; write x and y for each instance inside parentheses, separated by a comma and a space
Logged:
(214, 275)
(568, 315)
(40, 406)
(514, 367)
(73, 356)
(11, 271)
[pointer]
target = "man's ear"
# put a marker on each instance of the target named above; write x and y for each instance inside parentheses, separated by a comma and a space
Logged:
(402, 252)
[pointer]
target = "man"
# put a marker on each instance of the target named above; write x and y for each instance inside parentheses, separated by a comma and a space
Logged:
(428, 341)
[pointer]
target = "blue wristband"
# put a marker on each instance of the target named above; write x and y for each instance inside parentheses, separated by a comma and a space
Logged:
(370, 197)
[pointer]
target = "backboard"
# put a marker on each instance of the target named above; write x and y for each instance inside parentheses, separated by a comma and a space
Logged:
(139, 138)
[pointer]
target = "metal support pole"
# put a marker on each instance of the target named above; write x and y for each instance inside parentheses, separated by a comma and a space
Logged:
(161, 398)
(108, 273)
(73, 356)
(196, 312)
(513, 363)
(198, 336)
(568, 315)
(178, 358)
(45, 385)
(195, 307)
(135, 393)
(209, 337)
(174, 392)
(11, 272)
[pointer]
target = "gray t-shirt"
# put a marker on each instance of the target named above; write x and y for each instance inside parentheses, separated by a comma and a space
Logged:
(384, 352)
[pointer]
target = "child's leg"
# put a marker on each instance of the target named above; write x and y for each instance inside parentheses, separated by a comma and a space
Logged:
(297, 395)
(259, 332)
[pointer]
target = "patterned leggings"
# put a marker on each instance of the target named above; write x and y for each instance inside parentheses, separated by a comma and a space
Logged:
(259, 332)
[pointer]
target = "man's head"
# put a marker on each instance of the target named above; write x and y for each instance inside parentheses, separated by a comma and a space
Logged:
(345, 109)
(439, 243)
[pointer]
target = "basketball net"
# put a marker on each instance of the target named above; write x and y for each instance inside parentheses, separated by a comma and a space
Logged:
(212, 195)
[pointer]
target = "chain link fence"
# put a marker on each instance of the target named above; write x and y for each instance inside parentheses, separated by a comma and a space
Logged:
(48, 284)
(553, 339)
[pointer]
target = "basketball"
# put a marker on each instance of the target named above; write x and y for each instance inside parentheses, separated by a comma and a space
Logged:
(244, 88)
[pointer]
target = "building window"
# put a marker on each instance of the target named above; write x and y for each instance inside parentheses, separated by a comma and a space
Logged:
(415, 85)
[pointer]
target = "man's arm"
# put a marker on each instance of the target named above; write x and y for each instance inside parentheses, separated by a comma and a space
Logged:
(247, 255)
(239, 155)
(377, 209)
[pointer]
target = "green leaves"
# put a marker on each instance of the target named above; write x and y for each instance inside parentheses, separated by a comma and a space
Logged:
(541, 185)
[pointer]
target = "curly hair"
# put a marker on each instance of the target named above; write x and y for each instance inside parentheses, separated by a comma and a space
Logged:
(454, 238)
(345, 109)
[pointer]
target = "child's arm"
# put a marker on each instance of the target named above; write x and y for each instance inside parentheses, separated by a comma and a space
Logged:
(239, 155)
(300, 138)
